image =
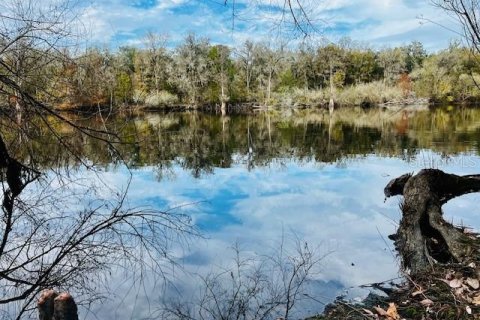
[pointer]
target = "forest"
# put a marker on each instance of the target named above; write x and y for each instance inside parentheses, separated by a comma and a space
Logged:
(199, 73)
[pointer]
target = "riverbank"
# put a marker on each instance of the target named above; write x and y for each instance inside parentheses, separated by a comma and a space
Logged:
(365, 95)
(245, 107)
(368, 95)
(449, 291)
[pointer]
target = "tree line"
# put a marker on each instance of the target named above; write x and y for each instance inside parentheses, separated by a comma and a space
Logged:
(197, 72)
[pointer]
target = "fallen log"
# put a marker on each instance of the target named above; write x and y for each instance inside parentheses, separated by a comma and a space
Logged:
(424, 238)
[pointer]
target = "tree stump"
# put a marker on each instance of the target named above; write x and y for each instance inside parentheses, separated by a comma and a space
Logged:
(54, 306)
(424, 238)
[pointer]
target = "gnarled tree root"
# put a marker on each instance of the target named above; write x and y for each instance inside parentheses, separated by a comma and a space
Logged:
(424, 238)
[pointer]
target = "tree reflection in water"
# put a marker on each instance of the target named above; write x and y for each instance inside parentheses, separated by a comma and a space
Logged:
(200, 142)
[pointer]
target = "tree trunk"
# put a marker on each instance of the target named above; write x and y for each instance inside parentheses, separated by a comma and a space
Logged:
(331, 104)
(223, 99)
(269, 88)
(248, 83)
(16, 102)
(424, 237)
(223, 108)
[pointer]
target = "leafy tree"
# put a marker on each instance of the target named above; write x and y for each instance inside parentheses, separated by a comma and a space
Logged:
(268, 64)
(431, 80)
(125, 70)
(246, 61)
(156, 63)
(415, 56)
(330, 62)
(222, 72)
(362, 66)
(303, 67)
(393, 64)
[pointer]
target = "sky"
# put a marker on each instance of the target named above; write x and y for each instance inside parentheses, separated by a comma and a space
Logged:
(377, 23)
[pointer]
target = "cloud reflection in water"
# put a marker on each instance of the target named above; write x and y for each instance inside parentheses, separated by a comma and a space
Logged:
(339, 208)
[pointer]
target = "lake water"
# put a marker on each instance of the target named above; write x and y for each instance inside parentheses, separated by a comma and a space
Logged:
(271, 180)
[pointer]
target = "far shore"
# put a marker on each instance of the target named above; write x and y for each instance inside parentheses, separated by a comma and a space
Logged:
(249, 106)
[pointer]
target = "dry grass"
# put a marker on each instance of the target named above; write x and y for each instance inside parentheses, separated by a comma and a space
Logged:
(373, 93)
(370, 93)
(162, 98)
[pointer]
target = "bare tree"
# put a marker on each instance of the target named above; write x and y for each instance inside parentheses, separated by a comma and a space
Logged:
(247, 63)
(467, 12)
(192, 67)
(268, 61)
(256, 287)
(31, 36)
(297, 16)
(47, 243)
(156, 60)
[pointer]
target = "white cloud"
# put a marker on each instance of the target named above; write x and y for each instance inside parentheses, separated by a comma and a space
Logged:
(379, 22)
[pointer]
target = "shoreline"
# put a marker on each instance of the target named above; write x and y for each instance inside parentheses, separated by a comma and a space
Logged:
(244, 106)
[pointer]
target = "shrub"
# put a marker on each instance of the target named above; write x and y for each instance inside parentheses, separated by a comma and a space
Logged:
(162, 98)
(374, 93)
(139, 96)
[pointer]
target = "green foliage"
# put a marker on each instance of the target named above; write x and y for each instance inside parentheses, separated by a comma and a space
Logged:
(222, 73)
(124, 88)
(415, 55)
(450, 75)
(362, 66)
(339, 78)
(126, 59)
(287, 80)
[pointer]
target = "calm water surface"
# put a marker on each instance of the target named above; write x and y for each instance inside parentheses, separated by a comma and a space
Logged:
(254, 180)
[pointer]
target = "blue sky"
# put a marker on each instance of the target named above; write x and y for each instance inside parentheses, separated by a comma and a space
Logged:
(375, 22)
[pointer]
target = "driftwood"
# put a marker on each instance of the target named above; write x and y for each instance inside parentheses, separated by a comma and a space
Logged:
(54, 306)
(424, 238)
